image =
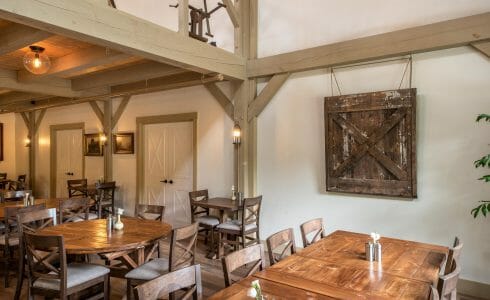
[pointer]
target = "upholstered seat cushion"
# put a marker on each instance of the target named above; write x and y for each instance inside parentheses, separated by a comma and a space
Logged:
(149, 270)
(13, 241)
(235, 225)
(208, 220)
(76, 275)
(91, 216)
(2, 226)
(149, 216)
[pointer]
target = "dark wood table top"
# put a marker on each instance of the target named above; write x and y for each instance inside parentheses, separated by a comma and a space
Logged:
(89, 237)
(335, 267)
(219, 203)
(50, 203)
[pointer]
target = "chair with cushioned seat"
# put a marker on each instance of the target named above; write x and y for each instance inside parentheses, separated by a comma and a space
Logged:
(446, 285)
(150, 212)
(77, 188)
(59, 279)
(283, 239)
(245, 232)
(182, 254)
(105, 197)
(9, 242)
(75, 210)
(243, 257)
(201, 215)
(453, 255)
(15, 195)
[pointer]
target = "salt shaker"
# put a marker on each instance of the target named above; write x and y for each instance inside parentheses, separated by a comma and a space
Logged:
(109, 223)
(377, 252)
(31, 200)
(26, 199)
(369, 251)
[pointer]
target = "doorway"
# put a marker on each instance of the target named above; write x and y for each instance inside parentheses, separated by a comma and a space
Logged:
(166, 163)
(67, 159)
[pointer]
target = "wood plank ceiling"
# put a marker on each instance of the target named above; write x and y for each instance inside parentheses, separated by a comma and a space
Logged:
(80, 72)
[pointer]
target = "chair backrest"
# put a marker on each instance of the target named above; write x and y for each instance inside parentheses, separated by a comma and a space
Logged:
(10, 213)
(73, 209)
(453, 256)
(105, 191)
(446, 286)
(35, 220)
(196, 196)
(434, 295)
(283, 239)
(21, 178)
(15, 195)
(188, 278)
(77, 187)
(42, 251)
(313, 227)
(150, 212)
(183, 247)
(240, 258)
(17, 186)
(251, 211)
(3, 175)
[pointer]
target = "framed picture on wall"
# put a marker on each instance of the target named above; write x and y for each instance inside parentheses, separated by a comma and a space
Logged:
(93, 145)
(123, 143)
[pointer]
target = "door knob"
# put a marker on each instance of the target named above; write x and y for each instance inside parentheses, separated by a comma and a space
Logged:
(164, 181)
(171, 181)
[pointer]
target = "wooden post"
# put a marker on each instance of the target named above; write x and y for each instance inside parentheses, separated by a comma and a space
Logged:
(32, 149)
(108, 145)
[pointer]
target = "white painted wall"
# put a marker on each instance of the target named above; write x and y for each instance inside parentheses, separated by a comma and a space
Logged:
(452, 89)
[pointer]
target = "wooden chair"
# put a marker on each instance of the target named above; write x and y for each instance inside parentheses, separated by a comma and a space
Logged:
(75, 210)
(30, 222)
(9, 242)
(105, 197)
(446, 285)
(314, 227)
(201, 215)
(453, 256)
(60, 279)
(3, 176)
(233, 261)
(150, 212)
(182, 254)
(283, 238)
(22, 178)
(77, 188)
(188, 278)
(18, 185)
(434, 294)
(241, 230)
(15, 195)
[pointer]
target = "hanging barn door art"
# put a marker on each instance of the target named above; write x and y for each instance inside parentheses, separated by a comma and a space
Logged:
(370, 143)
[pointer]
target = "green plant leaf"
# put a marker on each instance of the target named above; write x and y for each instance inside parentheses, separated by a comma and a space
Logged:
(486, 117)
(475, 211)
(482, 162)
(484, 210)
(485, 178)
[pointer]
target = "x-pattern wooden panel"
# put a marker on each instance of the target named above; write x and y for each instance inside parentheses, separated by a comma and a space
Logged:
(370, 143)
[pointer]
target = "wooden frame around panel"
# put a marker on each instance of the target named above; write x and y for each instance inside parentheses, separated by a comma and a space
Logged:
(52, 132)
(129, 135)
(140, 123)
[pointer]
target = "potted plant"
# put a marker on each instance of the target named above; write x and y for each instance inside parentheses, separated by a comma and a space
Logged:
(484, 206)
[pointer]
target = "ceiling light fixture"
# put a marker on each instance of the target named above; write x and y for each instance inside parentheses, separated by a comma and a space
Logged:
(35, 61)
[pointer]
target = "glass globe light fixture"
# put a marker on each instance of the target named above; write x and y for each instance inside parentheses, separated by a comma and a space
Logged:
(36, 61)
(237, 132)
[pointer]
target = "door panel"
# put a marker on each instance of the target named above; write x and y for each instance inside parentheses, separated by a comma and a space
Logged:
(69, 160)
(169, 156)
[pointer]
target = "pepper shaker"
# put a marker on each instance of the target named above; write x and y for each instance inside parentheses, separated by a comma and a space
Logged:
(377, 252)
(369, 251)
(109, 223)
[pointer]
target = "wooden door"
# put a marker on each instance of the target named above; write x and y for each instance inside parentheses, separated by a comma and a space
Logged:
(69, 158)
(168, 168)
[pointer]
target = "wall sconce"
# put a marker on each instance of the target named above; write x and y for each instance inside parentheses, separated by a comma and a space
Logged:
(36, 61)
(237, 132)
(103, 138)
(27, 142)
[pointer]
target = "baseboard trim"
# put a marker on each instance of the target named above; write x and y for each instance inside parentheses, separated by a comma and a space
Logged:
(474, 289)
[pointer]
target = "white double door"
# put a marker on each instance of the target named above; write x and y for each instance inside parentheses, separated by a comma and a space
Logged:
(168, 168)
(69, 158)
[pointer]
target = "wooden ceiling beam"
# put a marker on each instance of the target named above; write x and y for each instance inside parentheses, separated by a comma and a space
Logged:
(436, 36)
(16, 97)
(16, 36)
(483, 47)
(158, 84)
(222, 99)
(78, 61)
(137, 72)
(107, 27)
(232, 12)
(269, 91)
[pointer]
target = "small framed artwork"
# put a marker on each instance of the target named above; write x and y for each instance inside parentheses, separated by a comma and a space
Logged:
(123, 143)
(93, 145)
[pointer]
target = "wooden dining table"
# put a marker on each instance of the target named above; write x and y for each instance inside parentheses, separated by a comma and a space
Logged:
(223, 205)
(48, 202)
(335, 268)
(133, 245)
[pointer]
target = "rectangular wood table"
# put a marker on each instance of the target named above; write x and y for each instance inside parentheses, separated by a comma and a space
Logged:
(223, 205)
(335, 267)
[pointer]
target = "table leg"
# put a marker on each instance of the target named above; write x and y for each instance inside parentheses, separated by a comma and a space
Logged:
(212, 253)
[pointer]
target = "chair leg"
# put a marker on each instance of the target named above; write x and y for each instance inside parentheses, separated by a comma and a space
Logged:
(218, 251)
(212, 239)
(7, 271)
(206, 232)
(129, 290)
(20, 276)
(107, 287)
